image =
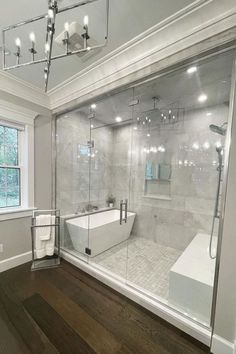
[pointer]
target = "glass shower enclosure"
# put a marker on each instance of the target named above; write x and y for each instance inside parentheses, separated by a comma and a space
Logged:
(139, 182)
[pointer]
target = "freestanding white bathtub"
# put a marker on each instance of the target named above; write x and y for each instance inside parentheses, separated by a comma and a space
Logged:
(98, 232)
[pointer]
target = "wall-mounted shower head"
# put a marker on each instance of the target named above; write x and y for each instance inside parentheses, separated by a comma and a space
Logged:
(218, 129)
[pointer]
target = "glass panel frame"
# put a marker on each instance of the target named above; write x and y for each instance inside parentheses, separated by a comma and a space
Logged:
(72, 176)
(196, 148)
(141, 290)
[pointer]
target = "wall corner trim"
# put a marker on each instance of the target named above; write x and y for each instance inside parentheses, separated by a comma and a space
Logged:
(22, 89)
(222, 346)
(23, 115)
(15, 261)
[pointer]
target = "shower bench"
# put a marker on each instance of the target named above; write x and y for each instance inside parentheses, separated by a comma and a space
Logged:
(191, 280)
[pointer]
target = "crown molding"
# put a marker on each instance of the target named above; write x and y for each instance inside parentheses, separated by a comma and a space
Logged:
(22, 89)
(141, 37)
(21, 115)
(197, 22)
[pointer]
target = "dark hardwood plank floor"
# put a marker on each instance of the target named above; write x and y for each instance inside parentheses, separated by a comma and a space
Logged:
(64, 310)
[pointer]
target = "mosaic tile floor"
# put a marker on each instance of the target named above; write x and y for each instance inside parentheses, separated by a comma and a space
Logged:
(148, 265)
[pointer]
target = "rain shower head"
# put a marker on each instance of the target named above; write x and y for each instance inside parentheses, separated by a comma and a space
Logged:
(218, 129)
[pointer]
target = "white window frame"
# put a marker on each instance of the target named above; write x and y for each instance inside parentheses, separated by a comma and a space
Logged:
(20, 158)
(13, 114)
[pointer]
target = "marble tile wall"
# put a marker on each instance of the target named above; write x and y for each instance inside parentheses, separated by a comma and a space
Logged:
(77, 182)
(190, 149)
(118, 163)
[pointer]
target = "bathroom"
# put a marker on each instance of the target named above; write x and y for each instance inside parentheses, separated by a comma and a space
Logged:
(133, 147)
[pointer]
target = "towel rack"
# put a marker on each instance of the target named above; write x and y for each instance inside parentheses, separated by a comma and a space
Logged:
(47, 261)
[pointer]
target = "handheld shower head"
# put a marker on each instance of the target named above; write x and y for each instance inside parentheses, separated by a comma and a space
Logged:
(218, 129)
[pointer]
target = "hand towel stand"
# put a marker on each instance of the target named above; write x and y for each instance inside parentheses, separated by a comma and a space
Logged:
(47, 261)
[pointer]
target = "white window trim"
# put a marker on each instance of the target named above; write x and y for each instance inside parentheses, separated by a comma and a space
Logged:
(18, 114)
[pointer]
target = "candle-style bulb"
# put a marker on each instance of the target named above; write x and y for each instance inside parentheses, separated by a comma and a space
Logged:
(86, 20)
(18, 42)
(50, 13)
(47, 47)
(66, 26)
(32, 37)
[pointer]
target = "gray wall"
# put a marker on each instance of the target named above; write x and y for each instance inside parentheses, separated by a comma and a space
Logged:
(15, 234)
(15, 237)
(43, 162)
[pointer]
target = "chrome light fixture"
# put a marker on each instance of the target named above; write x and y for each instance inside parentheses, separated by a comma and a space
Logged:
(50, 17)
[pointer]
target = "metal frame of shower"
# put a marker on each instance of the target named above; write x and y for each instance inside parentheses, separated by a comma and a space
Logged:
(219, 47)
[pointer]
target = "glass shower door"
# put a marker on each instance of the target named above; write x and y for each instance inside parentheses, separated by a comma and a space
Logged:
(179, 130)
(73, 180)
(110, 182)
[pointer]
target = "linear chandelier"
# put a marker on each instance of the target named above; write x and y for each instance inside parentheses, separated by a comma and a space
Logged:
(50, 17)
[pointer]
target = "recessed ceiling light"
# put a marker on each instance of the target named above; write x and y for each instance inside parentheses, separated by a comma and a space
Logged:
(202, 98)
(192, 69)
(92, 126)
(148, 135)
(209, 114)
(206, 145)
(196, 146)
(135, 128)
(118, 119)
(93, 106)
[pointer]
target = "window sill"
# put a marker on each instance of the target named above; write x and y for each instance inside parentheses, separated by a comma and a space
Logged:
(15, 213)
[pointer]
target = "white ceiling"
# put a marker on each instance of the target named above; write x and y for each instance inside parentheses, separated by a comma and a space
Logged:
(127, 20)
(176, 89)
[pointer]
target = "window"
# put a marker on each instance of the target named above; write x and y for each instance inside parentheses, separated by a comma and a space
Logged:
(10, 169)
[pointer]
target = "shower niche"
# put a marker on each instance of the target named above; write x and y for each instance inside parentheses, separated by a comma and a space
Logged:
(157, 183)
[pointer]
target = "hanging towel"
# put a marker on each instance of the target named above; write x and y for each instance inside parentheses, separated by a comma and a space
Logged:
(43, 233)
(50, 244)
(39, 246)
(44, 236)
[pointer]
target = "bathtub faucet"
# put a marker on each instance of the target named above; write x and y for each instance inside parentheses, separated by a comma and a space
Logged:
(87, 208)
(90, 207)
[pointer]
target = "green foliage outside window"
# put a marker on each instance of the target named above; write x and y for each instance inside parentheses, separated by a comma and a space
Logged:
(9, 170)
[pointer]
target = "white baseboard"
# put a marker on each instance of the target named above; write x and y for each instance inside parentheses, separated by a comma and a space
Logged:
(222, 346)
(15, 261)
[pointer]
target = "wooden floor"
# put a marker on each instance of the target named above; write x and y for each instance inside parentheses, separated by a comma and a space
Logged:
(63, 310)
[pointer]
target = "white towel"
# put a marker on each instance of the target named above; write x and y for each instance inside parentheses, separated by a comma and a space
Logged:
(50, 244)
(43, 233)
(44, 236)
(39, 246)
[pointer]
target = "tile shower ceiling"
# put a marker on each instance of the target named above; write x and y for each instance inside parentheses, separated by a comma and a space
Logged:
(128, 19)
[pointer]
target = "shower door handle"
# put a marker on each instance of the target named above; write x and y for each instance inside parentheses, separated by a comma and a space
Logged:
(123, 203)
(126, 210)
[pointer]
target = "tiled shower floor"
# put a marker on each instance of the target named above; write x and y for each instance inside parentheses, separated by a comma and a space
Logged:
(148, 265)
